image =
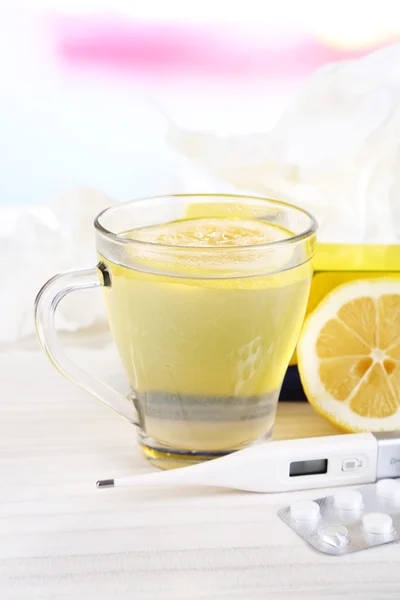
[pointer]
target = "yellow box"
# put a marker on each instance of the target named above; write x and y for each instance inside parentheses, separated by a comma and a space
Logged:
(335, 264)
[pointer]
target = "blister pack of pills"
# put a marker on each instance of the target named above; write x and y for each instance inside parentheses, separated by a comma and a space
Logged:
(349, 520)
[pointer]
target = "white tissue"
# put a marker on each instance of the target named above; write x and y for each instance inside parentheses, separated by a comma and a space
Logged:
(334, 152)
(35, 244)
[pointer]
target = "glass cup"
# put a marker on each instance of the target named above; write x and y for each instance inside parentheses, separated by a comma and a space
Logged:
(205, 334)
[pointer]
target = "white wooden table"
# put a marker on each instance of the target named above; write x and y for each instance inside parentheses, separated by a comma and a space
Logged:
(61, 538)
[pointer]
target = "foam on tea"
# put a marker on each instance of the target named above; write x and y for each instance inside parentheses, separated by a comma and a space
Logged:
(204, 346)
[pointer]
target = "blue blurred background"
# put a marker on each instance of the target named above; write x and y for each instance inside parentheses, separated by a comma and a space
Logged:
(79, 79)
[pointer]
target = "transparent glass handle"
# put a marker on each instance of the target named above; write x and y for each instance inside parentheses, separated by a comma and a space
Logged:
(46, 304)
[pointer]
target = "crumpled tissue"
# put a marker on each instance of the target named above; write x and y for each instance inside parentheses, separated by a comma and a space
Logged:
(37, 242)
(335, 151)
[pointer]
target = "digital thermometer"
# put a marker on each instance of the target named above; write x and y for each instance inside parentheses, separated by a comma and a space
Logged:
(290, 465)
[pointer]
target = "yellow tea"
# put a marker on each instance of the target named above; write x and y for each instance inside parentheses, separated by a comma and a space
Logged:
(204, 344)
(205, 295)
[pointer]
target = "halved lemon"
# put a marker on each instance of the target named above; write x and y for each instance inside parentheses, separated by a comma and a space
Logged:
(349, 356)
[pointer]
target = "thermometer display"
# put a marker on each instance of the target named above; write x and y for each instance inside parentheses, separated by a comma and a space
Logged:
(308, 467)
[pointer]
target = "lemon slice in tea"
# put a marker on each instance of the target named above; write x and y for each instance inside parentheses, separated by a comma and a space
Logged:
(211, 232)
(215, 246)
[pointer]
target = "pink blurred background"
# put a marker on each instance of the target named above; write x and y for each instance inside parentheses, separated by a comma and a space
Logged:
(80, 80)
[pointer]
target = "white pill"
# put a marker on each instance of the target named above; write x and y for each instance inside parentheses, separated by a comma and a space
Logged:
(378, 523)
(335, 535)
(389, 489)
(304, 510)
(348, 500)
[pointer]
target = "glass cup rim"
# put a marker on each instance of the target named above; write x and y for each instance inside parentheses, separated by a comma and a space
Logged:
(119, 238)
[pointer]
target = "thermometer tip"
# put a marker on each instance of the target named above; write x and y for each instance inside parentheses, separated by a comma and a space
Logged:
(105, 483)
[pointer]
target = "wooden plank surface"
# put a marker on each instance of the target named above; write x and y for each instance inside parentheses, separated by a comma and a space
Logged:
(61, 538)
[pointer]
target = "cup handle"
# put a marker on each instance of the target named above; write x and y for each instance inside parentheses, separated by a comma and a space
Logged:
(46, 304)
